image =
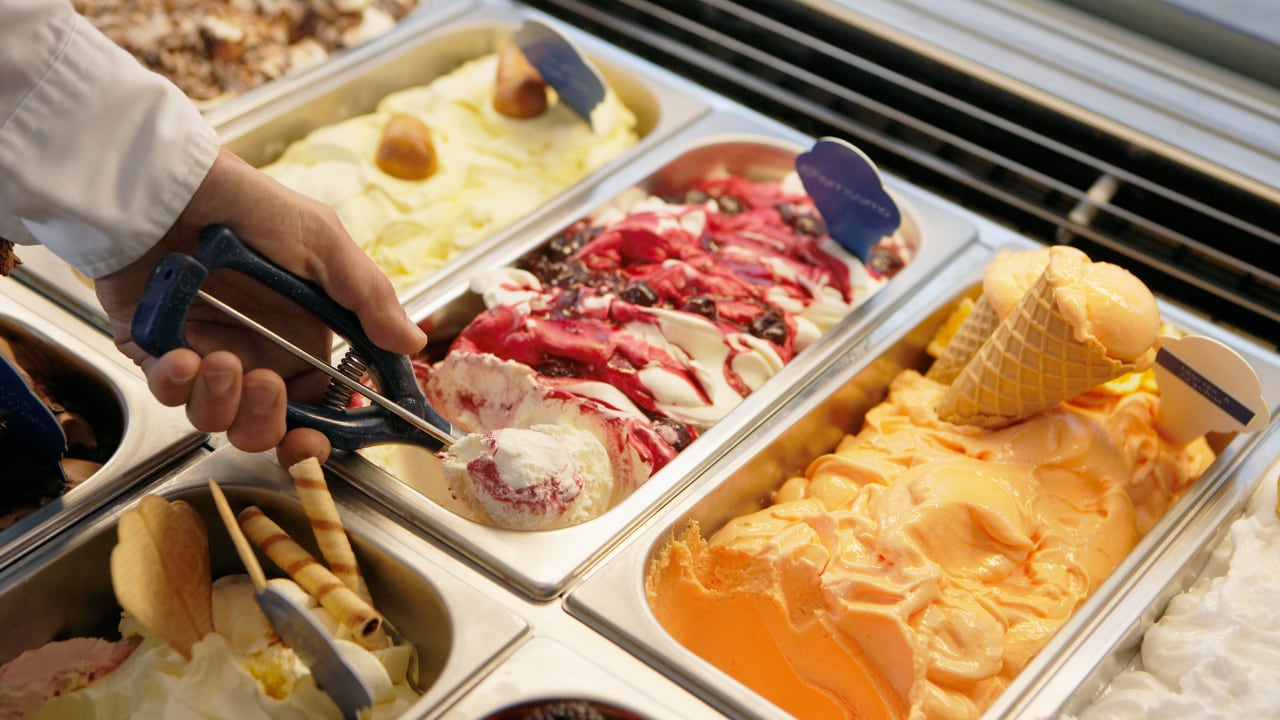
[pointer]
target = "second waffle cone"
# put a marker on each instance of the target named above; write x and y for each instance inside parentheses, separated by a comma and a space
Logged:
(1032, 362)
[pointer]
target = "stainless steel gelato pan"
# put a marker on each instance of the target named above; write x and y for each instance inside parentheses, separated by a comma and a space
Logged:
(126, 429)
(494, 171)
(614, 599)
(1095, 656)
(65, 588)
(544, 676)
(541, 563)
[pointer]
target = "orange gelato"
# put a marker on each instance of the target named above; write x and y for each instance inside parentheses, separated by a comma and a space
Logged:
(914, 571)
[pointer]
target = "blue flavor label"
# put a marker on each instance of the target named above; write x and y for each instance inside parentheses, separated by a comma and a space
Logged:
(26, 416)
(574, 79)
(848, 192)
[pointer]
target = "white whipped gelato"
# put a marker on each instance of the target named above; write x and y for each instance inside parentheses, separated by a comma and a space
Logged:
(537, 478)
(1216, 651)
(241, 671)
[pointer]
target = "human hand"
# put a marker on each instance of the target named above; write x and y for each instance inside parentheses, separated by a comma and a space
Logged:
(243, 381)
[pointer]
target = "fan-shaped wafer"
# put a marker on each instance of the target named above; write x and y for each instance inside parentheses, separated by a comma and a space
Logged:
(360, 619)
(331, 536)
(160, 571)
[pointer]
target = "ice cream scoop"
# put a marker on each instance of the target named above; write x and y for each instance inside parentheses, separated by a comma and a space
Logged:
(398, 414)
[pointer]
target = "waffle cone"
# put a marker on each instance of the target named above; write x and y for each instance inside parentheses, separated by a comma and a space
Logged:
(976, 329)
(1032, 362)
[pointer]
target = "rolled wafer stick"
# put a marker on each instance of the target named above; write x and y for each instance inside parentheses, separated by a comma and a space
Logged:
(331, 536)
(360, 619)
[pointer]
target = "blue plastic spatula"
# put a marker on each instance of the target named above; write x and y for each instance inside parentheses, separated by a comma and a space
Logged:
(34, 429)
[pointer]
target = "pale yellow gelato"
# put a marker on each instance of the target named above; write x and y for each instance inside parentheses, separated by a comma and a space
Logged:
(914, 571)
(490, 169)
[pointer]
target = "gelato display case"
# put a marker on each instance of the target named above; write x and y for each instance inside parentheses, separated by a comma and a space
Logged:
(996, 126)
(115, 432)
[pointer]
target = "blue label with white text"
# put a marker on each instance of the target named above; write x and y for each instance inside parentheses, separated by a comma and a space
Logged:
(847, 190)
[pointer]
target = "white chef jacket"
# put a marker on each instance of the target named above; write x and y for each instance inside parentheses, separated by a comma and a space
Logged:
(98, 155)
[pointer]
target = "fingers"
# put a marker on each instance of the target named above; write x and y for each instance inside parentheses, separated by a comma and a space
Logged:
(209, 387)
(220, 396)
(301, 444)
(259, 421)
(354, 282)
(172, 376)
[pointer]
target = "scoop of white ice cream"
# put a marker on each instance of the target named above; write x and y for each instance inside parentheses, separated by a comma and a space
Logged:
(537, 478)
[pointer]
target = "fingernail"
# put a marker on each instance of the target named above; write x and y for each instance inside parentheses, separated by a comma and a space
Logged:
(218, 382)
(260, 396)
(421, 334)
(182, 379)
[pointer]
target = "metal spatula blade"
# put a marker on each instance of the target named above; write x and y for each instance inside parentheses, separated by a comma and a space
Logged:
(308, 639)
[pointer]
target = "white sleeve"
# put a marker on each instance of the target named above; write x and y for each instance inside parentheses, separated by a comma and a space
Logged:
(98, 155)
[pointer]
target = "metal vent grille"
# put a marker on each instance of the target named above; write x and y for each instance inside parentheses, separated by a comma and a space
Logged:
(1199, 240)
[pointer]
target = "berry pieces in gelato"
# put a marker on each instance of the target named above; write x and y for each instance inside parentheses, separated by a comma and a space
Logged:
(645, 324)
(918, 567)
(214, 50)
(436, 169)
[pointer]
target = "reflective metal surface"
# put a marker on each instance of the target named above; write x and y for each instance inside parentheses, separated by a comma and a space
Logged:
(148, 436)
